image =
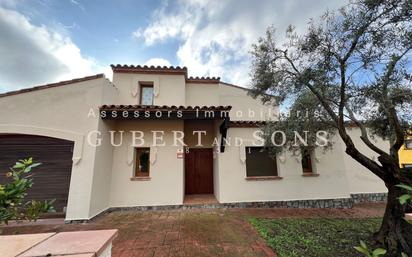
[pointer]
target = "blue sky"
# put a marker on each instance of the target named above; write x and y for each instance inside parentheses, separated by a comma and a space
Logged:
(44, 41)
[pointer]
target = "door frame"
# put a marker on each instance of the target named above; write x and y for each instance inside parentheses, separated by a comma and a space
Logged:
(211, 173)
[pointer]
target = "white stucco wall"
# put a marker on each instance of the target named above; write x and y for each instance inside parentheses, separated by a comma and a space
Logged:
(331, 182)
(61, 112)
(244, 107)
(201, 94)
(101, 176)
(166, 183)
(168, 89)
(100, 194)
(361, 180)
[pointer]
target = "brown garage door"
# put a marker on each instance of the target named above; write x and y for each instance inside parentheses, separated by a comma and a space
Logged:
(51, 180)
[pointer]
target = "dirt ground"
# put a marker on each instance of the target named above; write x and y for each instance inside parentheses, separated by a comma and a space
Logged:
(198, 232)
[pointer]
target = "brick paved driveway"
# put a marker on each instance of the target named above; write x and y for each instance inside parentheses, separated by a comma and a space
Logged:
(185, 233)
(170, 233)
(202, 232)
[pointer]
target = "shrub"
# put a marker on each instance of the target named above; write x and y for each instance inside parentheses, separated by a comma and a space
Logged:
(13, 193)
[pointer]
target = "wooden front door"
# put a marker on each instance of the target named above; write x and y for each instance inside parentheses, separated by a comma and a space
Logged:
(199, 171)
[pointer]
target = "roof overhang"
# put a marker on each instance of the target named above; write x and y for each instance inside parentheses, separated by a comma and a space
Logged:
(149, 69)
(154, 112)
(163, 70)
(246, 124)
(52, 85)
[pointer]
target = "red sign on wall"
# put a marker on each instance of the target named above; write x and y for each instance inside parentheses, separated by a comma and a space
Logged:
(180, 154)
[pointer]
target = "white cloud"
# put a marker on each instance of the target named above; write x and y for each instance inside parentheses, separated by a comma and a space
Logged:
(215, 37)
(157, 62)
(78, 4)
(32, 55)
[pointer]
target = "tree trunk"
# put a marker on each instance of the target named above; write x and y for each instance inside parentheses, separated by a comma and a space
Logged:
(395, 233)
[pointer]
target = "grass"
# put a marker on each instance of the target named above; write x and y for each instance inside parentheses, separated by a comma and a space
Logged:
(313, 237)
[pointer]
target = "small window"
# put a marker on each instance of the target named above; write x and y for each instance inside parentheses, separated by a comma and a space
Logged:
(142, 168)
(307, 165)
(146, 94)
(259, 163)
(408, 144)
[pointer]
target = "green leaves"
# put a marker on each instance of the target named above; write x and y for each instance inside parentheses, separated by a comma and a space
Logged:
(35, 208)
(378, 252)
(363, 248)
(406, 187)
(13, 193)
(406, 198)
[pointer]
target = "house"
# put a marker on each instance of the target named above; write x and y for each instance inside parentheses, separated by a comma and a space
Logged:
(154, 136)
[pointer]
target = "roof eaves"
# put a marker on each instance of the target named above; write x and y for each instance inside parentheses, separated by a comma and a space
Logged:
(163, 107)
(149, 69)
(203, 80)
(51, 85)
(247, 124)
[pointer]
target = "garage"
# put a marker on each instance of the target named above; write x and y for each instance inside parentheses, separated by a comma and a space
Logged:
(51, 180)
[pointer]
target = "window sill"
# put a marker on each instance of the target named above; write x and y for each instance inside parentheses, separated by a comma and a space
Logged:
(263, 178)
(140, 178)
(310, 174)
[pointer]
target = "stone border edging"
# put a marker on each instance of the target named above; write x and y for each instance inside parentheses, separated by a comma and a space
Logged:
(337, 203)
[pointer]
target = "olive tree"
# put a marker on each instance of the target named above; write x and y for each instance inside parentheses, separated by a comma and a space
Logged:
(350, 66)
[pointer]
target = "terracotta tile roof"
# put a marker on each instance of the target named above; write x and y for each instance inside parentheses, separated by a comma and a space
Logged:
(203, 80)
(144, 69)
(246, 124)
(164, 108)
(149, 69)
(164, 112)
(57, 84)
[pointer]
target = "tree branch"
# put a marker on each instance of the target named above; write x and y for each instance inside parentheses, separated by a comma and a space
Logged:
(364, 133)
(389, 107)
(350, 146)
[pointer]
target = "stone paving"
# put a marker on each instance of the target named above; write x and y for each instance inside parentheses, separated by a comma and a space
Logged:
(186, 233)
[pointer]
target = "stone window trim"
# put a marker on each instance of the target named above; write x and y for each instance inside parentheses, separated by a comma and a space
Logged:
(263, 178)
(140, 178)
(310, 174)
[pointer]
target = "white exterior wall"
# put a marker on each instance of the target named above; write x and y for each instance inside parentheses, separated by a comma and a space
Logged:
(331, 182)
(198, 94)
(62, 112)
(168, 89)
(100, 195)
(251, 109)
(166, 183)
(101, 175)
(361, 180)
